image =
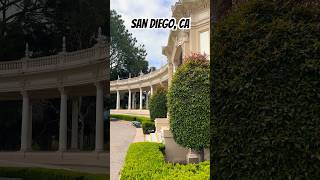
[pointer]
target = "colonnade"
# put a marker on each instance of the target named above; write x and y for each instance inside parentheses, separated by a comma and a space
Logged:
(26, 128)
(132, 98)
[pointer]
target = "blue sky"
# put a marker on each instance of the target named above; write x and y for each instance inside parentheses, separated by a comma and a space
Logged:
(153, 39)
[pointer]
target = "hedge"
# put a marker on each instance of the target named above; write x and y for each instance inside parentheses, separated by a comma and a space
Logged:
(158, 104)
(146, 122)
(265, 92)
(48, 174)
(145, 160)
(189, 103)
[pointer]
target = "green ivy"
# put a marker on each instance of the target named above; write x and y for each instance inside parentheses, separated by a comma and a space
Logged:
(158, 104)
(266, 92)
(189, 105)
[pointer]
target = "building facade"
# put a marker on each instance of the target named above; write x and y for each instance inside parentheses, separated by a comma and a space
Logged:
(195, 40)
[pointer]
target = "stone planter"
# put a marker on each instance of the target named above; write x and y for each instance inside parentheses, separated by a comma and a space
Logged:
(194, 157)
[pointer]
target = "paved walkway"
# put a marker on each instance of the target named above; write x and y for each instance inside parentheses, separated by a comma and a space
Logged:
(139, 137)
(122, 134)
(74, 161)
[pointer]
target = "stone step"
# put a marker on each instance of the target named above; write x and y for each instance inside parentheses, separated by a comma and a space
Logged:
(152, 137)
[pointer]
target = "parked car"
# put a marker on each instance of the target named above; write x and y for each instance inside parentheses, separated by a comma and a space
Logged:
(136, 124)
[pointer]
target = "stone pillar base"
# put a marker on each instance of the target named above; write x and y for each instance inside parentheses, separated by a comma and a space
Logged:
(193, 157)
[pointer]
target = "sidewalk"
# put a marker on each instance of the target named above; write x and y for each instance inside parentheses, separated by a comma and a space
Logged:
(139, 135)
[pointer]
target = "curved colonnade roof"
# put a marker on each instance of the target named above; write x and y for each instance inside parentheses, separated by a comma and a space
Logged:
(64, 70)
(155, 77)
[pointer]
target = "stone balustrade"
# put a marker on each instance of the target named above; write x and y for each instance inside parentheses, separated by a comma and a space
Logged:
(55, 62)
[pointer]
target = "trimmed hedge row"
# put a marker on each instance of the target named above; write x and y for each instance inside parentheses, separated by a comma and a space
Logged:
(266, 92)
(48, 174)
(146, 122)
(158, 104)
(189, 103)
(145, 160)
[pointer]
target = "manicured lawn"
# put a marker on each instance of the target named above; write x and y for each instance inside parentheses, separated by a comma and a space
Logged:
(48, 174)
(146, 122)
(145, 160)
(130, 117)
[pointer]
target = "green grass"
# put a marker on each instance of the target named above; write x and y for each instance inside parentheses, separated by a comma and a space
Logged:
(145, 160)
(48, 174)
(130, 117)
(146, 122)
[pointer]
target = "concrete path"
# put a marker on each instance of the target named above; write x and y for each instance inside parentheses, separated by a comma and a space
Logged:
(139, 137)
(122, 134)
(74, 161)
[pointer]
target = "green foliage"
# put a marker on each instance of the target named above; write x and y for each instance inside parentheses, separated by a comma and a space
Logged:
(43, 24)
(146, 122)
(265, 92)
(189, 103)
(147, 125)
(48, 174)
(126, 55)
(158, 104)
(145, 160)
(130, 117)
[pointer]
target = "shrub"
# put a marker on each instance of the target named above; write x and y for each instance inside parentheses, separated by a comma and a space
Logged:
(48, 174)
(158, 104)
(265, 87)
(147, 125)
(145, 160)
(130, 117)
(146, 122)
(189, 103)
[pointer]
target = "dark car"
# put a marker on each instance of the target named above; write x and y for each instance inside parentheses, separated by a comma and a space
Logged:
(136, 124)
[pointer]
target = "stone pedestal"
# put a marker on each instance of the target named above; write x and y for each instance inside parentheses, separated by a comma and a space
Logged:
(193, 157)
(161, 123)
(174, 152)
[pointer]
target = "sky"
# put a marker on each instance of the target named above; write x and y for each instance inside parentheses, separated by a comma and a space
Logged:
(153, 39)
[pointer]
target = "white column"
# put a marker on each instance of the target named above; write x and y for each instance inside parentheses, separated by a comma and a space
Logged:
(151, 90)
(129, 100)
(118, 99)
(140, 98)
(75, 121)
(25, 121)
(63, 121)
(134, 100)
(99, 118)
(147, 99)
(29, 145)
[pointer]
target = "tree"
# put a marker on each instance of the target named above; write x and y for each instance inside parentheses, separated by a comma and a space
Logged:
(189, 103)
(125, 55)
(158, 104)
(43, 24)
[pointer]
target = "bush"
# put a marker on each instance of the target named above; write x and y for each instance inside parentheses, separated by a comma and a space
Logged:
(147, 126)
(146, 122)
(265, 87)
(189, 103)
(48, 174)
(130, 117)
(145, 160)
(158, 104)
